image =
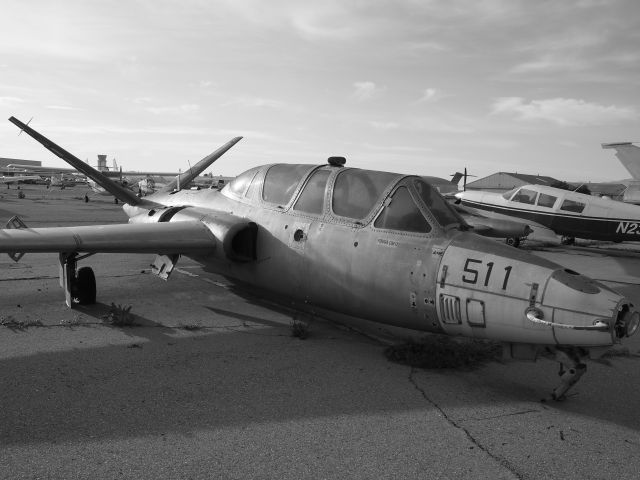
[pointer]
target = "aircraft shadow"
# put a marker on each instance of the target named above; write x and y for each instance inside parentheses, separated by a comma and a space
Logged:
(106, 314)
(234, 379)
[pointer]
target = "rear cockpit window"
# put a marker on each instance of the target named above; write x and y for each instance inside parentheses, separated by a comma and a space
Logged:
(311, 200)
(401, 213)
(281, 182)
(438, 206)
(525, 196)
(356, 192)
(238, 185)
(572, 206)
(545, 200)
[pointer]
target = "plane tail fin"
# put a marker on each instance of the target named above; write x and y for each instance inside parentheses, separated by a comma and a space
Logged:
(123, 194)
(185, 178)
(456, 177)
(629, 156)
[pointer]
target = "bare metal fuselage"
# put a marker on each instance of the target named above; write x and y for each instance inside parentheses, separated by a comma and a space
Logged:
(451, 282)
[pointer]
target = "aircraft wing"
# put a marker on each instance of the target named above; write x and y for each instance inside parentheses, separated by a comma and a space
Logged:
(158, 238)
(118, 191)
(492, 224)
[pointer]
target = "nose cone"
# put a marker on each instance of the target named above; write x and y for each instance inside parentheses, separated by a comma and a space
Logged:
(488, 290)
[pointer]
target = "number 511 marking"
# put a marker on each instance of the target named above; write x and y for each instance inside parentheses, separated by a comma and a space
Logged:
(475, 274)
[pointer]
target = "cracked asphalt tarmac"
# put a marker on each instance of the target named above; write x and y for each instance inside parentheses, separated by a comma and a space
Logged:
(210, 384)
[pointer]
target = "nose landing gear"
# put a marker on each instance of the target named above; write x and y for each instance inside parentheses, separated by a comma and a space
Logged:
(571, 358)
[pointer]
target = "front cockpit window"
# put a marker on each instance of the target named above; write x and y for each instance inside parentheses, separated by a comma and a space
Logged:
(356, 192)
(525, 195)
(238, 186)
(508, 194)
(437, 205)
(311, 199)
(402, 214)
(281, 181)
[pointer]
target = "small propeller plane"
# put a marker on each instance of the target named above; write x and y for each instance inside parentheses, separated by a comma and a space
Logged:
(566, 213)
(376, 245)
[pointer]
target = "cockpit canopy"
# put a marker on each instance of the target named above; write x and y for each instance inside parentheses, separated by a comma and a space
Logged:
(390, 201)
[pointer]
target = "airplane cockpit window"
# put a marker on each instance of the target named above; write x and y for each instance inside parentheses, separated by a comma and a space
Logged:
(311, 200)
(508, 194)
(401, 213)
(572, 206)
(437, 205)
(239, 184)
(255, 186)
(356, 192)
(545, 200)
(525, 196)
(281, 181)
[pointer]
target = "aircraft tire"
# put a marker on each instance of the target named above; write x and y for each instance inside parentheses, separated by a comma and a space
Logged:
(86, 286)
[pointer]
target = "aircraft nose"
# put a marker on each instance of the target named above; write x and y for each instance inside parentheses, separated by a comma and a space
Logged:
(583, 312)
(489, 290)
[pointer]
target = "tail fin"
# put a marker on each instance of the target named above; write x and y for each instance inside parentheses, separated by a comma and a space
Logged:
(456, 178)
(186, 177)
(629, 156)
(121, 193)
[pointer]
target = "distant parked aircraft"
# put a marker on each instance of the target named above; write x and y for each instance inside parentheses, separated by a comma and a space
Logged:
(566, 213)
(629, 156)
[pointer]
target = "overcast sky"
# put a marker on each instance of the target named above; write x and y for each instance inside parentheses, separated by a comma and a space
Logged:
(423, 87)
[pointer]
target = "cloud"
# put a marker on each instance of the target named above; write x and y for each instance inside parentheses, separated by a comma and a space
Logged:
(61, 107)
(431, 95)
(566, 112)
(366, 91)
(384, 125)
(254, 102)
(10, 101)
(174, 110)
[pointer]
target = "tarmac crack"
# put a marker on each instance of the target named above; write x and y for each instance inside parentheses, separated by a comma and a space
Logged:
(521, 412)
(501, 461)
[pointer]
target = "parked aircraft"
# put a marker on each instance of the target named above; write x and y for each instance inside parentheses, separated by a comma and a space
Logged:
(368, 244)
(18, 178)
(566, 213)
(629, 156)
(514, 232)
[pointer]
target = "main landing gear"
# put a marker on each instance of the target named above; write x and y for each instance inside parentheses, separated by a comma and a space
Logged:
(79, 284)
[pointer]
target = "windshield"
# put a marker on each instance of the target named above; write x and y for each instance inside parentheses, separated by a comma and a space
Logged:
(437, 205)
(508, 194)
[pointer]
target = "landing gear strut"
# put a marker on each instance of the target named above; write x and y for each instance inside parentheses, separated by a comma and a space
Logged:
(79, 284)
(571, 370)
